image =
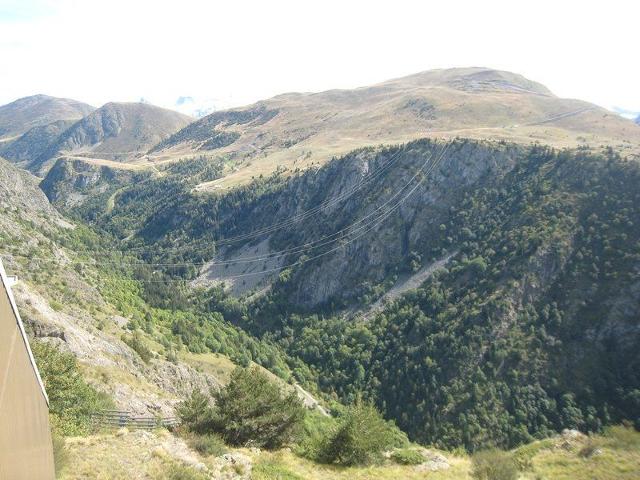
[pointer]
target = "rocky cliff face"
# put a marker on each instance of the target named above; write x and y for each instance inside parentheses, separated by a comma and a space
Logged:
(536, 299)
(537, 305)
(71, 182)
(367, 184)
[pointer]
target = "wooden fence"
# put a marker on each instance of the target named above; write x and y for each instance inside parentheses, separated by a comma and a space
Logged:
(120, 418)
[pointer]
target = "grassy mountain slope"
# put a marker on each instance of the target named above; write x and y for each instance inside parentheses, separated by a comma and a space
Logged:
(298, 130)
(26, 113)
(116, 131)
(33, 143)
(162, 456)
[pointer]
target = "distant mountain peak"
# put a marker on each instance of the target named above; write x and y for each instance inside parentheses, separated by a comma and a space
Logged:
(118, 131)
(474, 79)
(38, 110)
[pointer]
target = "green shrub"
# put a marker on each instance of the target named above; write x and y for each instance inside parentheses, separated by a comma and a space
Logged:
(360, 438)
(195, 412)
(71, 399)
(407, 456)
(315, 428)
(207, 444)
(252, 410)
(137, 344)
(493, 465)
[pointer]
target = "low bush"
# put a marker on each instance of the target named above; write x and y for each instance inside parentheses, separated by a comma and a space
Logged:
(207, 444)
(407, 456)
(493, 465)
(315, 429)
(360, 438)
(250, 411)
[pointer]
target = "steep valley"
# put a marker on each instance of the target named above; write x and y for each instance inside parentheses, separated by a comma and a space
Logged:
(533, 316)
(458, 250)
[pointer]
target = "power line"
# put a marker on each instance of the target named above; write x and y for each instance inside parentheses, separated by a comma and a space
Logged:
(374, 224)
(294, 218)
(298, 249)
(291, 220)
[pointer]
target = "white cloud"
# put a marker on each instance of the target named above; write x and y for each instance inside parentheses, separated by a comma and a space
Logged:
(241, 51)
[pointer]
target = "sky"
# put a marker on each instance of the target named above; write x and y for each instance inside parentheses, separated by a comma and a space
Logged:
(231, 53)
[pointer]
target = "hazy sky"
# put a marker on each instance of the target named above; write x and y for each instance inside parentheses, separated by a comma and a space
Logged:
(234, 52)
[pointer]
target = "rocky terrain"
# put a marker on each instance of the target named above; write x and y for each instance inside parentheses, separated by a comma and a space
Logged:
(63, 304)
(70, 312)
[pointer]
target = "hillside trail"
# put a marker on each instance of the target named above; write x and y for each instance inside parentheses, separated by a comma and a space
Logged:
(404, 284)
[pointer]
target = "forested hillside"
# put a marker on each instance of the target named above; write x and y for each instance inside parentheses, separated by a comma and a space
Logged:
(530, 327)
(129, 349)
(533, 326)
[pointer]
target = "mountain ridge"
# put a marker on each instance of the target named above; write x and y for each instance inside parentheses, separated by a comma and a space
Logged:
(116, 131)
(299, 130)
(101, 131)
(296, 131)
(39, 110)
